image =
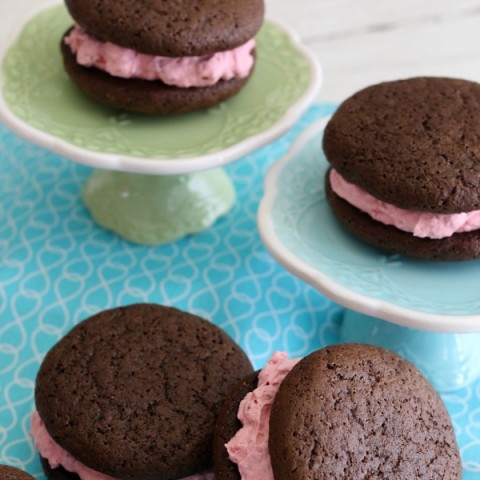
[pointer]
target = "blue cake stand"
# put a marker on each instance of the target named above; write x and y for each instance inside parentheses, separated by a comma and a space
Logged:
(429, 312)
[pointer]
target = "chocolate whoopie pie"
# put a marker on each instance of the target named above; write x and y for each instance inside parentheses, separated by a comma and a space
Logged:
(161, 56)
(133, 393)
(12, 473)
(405, 158)
(347, 412)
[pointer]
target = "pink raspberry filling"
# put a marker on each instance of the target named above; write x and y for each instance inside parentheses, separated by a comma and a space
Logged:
(249, 447)
(183, 72)
(57, 456)
(420, 224)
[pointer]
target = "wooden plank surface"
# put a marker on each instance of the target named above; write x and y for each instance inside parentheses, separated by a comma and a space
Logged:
(362, 42)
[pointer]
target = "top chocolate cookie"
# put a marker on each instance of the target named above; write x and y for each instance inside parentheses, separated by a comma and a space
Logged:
(357, 411)
(170, 28)
(412, 143)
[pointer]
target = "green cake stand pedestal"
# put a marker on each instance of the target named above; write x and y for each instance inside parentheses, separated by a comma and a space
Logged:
(152, 210)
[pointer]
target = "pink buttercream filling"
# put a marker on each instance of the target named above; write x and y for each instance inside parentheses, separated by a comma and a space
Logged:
(421, 224)
(249, 447)
(184, 72)
(57, 456)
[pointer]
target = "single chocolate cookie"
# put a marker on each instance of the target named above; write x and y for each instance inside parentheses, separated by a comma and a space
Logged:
(407, 153)
(227, 426)
(412, 143)
(173, 29)
(133, 392)
(12, 473)
(355, 412)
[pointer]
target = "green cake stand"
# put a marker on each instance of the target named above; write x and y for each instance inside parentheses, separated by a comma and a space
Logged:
(157, 178)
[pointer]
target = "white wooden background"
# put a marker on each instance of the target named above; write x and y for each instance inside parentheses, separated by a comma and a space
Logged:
(360, 42)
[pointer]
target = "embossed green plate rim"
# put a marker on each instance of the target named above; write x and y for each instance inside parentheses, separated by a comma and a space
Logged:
(40, 103)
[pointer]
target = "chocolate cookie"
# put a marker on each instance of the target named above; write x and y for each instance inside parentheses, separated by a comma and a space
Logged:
(226, 427)
(172, 29)
(350, 411)
(12, 473)
(133, 392)
(58, 473)
(161, 57)
(413, 145)
(357, 411)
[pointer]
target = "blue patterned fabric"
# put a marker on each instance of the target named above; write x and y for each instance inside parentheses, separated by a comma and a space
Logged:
(58, 267)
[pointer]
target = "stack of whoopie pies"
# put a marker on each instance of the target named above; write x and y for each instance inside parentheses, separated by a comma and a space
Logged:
(161, 57)
(405, 158)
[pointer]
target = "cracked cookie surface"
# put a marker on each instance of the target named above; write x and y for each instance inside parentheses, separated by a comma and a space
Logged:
(360, 412)
(412, 143)
(172, 29)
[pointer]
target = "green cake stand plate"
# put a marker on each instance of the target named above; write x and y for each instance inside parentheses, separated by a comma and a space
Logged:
(159, 177)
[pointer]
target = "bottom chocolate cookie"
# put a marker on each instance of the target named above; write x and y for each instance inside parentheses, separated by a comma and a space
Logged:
(227, 426)
(58, 473)
(460, 246)
(144, 96)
